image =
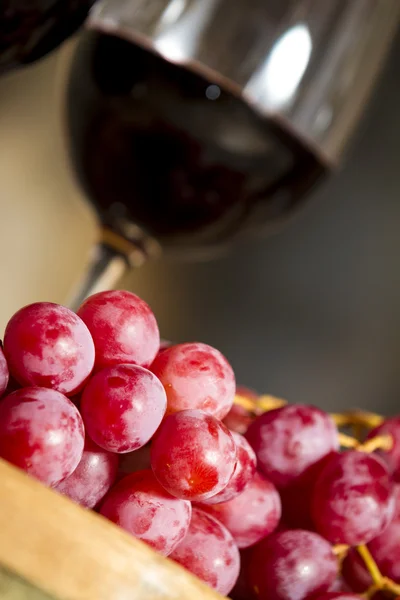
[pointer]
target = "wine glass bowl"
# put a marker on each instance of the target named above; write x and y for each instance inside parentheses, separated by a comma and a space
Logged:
(197, 121)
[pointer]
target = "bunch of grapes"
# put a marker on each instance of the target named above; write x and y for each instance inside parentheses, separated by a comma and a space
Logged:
(256, 497)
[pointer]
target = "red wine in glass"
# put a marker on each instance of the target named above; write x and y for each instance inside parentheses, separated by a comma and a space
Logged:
(192, 122)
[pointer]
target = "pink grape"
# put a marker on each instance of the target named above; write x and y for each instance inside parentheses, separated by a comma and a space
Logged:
(196, 376)
(141, 506)
(92, 478)
(122, 407)
(385, 550)
(164, 344)
(4, 374)
(338, 596)
(48, 345)
(392, 457)
(193, 455)
(123, 327)
(339, 586)
(292, 565)
(252, 515)
(396, 492)
(288, 440)
(353, 499)
(238, 418)
(41, 432)
(209, 552)
(245, 469)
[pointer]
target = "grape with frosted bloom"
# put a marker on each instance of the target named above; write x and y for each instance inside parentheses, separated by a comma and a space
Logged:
(93, 477)
(252, 515)
(392, 457)
(292, 565)
(339, 586)
(141, 506)
(243, 474)
(196, 376)
(41, 432)
(193, 455)
(122, 407)
(396, 492)
(338, 596)
(47, 345)
(4, 374)
(209, 552)
(385, 550)
(288, 440)
(353, 499)
(238, 418)
(123, 327)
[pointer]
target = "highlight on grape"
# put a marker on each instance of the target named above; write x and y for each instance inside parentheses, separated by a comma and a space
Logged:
(259, 498)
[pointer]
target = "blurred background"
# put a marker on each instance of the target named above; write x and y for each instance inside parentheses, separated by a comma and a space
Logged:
(312, 314)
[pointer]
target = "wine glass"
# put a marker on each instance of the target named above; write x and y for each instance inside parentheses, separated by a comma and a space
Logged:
(190, 123)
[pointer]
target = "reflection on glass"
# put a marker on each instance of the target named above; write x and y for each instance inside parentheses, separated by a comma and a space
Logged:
(180, 41)
(276, 82)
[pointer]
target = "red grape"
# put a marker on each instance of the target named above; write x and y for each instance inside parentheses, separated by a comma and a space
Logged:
(238, 418)
(92, 478)
(164, 344)
(48, 345)
(208, 551)
(196, 376)
(123, 327)
(396, 493)
(142, 507)
(193, 455)
(292, 565)
(244, 471)
(41, 432)
(338, 596)
(122, 407)
(296, 497)
(288, 440)
(252, 515)
(392, 457)
(339, 586)
(353, 499)
(385, 550)
(4, 374)
(355, 572)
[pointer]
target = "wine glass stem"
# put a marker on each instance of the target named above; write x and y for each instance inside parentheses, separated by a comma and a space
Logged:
(104, 271)
(112, 257)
